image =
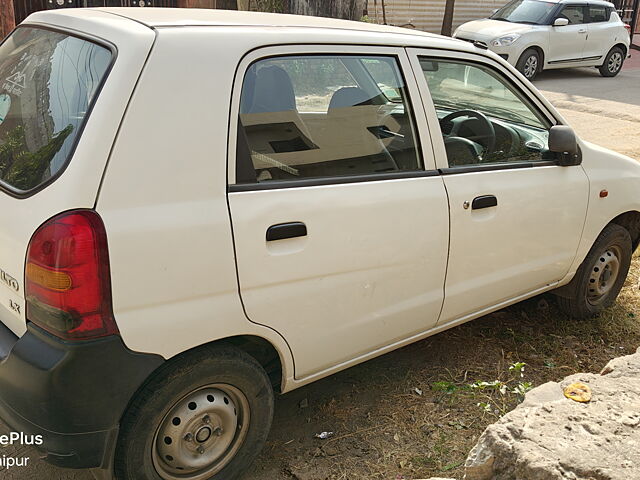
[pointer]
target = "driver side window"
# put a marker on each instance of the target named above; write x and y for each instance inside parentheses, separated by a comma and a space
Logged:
(482, 117)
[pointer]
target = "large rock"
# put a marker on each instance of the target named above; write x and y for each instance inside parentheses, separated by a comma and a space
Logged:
(549, 436)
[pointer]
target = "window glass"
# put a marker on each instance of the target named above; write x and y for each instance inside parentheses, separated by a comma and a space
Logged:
(573, 13)
(598, 13)
(482, 117)
(47, 82)
(324, 116)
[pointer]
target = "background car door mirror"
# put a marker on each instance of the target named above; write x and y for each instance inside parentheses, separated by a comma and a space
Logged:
(562, 140)
(561, 22)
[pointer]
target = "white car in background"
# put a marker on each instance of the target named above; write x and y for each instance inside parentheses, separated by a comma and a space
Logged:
(536, 35)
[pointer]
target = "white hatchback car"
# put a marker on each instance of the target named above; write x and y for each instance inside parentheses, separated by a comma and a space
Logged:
(536, 35)
(200, 208)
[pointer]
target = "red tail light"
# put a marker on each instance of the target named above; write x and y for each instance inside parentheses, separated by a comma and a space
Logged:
(68, 285)
(628, 27)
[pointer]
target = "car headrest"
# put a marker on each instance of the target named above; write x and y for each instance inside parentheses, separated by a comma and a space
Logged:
(350, 97)
(273, 91)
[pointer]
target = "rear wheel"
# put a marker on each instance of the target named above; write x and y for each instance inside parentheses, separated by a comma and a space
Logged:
(529, 63)
(612, 63)
(204, 416)
(599, 279)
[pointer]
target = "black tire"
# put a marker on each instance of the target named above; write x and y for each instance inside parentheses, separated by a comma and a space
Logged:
(529, 63)
(590, 291)
(218, 382)
(612, 63)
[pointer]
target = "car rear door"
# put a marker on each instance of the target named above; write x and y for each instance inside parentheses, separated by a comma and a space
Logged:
(339, 217)
(567, 43)
(601, 32)
(516, 215)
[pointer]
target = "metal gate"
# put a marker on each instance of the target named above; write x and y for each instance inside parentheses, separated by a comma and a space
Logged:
(23, 8)
(629, 10)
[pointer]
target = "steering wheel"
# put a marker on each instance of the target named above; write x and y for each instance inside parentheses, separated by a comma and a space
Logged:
(487, 132)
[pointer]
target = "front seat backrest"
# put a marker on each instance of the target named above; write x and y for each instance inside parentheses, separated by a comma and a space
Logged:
(273, 91)
(349, 97)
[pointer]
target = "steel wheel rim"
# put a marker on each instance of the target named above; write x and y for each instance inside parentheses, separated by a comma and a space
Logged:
(201, 433)
(531, 66)
(604, 275)
(615, 62)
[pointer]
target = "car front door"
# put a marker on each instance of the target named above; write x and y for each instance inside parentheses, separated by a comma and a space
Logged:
(567, 42)
(340, 219)
(516, 215)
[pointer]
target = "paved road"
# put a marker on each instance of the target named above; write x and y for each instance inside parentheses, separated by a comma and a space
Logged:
(603, 110)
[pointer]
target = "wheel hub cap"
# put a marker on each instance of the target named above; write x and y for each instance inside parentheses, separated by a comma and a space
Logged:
(200, 433)
(530, 66)
(615, 62)
(604, 275)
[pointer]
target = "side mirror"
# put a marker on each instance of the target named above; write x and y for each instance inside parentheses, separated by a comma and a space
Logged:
(562, 140)
(561, 22)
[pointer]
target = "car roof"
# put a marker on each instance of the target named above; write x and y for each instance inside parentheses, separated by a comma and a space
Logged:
(582, 2)
(298, 28)
(167, 17)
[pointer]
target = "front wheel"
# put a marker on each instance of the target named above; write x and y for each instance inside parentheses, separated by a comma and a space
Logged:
(204, 416)
(599, 279)
(529, 63)
(612, 63)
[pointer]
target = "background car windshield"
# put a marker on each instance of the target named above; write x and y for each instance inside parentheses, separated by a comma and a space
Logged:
(525, 11)
(47, 83)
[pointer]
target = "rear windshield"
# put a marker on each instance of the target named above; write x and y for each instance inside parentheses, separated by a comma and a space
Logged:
(47, 84)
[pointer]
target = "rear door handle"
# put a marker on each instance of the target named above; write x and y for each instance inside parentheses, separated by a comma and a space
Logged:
(286, 230)
(582, 30)
(484, 201)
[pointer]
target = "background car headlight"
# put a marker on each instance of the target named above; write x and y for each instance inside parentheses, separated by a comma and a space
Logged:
(505, 40)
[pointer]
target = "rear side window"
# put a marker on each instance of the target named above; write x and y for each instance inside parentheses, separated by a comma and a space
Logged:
(48, 81)
(314, 116)
(599, 13)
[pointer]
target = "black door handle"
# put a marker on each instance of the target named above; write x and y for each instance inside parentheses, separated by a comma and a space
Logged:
(484, 201)
(286, 230)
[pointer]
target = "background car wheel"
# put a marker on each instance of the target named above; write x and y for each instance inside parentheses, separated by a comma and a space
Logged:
(205, 415)
(529, 63)
(612, 63)
(602, 274)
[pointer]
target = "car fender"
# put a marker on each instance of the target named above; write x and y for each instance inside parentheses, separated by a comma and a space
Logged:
(614, 186)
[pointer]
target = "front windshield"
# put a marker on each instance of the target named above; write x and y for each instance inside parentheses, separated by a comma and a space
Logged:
(532, 12)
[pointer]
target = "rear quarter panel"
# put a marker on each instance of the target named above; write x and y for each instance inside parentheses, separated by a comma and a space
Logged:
(164, 203)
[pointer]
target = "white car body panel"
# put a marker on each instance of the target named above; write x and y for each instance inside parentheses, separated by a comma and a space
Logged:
(484, 267)
(567, 43)
(170, 237)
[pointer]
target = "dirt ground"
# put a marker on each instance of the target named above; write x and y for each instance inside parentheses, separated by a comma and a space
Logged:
(416, 412)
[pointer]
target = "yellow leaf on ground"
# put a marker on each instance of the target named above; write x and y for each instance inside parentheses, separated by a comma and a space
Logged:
(578, 392)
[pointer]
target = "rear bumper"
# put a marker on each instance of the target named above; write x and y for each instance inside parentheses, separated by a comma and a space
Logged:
(73, 394)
